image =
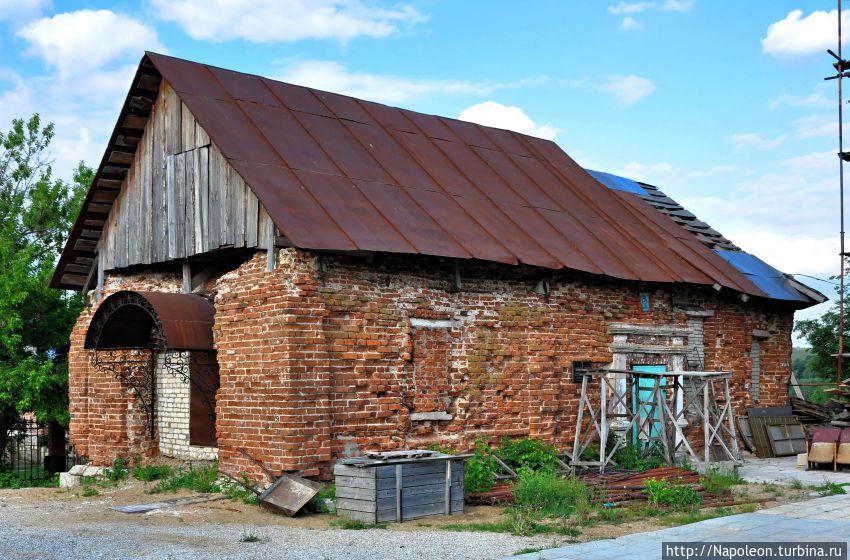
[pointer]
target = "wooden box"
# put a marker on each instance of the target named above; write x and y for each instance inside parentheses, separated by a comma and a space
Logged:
(402, 490)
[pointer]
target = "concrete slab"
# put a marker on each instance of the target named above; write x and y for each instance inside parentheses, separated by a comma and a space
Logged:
(784, 470)
(817, 520)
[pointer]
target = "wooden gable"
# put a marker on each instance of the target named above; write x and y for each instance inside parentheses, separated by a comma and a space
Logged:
(180, 197)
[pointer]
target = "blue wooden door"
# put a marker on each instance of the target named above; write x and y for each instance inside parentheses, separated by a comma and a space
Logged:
(642, 400)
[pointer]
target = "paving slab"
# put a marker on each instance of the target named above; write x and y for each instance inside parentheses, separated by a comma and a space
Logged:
(817, 520)
(784, 471)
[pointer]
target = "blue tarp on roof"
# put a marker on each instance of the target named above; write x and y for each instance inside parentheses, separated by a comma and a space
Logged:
(768, 279)
(616, 182)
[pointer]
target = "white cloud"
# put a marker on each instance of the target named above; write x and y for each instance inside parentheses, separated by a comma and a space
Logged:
(678, 5)
(755, 140)
(629, 23)
(625, 8)
(268, 21)
(795, 201)
(332, 76)
(16, 10)
(490, 113)
(629, 8)
(818, 98)
(626, 90)
(796, 35)
(86, 40)
(817, 126)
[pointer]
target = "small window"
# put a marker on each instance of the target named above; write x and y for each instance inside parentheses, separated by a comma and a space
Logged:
(578, 368)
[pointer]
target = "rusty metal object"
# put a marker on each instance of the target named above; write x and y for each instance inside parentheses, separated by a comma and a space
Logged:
(288, 494)
(337, 173)
(138, 319)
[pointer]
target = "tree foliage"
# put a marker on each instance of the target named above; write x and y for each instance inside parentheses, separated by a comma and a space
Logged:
(36, 212)
(822, 336)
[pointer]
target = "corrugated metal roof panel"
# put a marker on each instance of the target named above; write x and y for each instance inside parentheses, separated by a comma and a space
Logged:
(338, 173)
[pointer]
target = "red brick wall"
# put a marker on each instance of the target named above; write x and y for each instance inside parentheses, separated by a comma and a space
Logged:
(106, 419)
(315, 365)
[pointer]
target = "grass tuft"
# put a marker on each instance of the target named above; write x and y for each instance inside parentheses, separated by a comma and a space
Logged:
(198, 479)
(551, 495)
(149, 473)
(356, 525)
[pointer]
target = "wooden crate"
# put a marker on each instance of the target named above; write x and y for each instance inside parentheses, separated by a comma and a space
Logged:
(398, 492)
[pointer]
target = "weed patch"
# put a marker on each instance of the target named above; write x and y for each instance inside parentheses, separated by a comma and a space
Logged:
(670, 493)
(250, 536)
(354, 524)
(716, 481)
(149, 473)
(551, 495)
(831, 489)
(198, 479)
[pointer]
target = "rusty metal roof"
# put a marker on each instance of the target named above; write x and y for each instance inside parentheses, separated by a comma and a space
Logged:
(339, 173)
(125, 319)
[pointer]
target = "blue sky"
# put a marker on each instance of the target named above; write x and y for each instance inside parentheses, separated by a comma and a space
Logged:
(723, 107)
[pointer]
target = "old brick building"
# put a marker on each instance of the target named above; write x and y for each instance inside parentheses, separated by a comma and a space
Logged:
(302, 275)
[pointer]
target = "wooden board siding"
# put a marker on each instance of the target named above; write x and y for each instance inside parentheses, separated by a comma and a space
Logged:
(180, 197)
(372, 494)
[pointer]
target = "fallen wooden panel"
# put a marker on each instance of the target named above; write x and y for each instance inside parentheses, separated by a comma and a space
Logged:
(153, 506)
(289, 494)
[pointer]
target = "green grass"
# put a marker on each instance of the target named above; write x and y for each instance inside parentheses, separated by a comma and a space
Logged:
(522, 551)
(716, 480)
(517, 523)
(198, 479)
(831, 489)
(354, 524)
(250, 536)
(117, 472)
(149, 473)
(317, 503)
(551, 495)
(796, 484)
(240, 492)
(670, 493)
(90, 491)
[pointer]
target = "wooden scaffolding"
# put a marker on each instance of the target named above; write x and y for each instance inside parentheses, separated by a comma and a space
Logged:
(650, 408)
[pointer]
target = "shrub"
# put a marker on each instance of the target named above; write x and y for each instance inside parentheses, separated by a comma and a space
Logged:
(149, 473)
(668, 493)
(480, 470)
(117, 472)
(525, 455)
(634, 458)
(551, 495)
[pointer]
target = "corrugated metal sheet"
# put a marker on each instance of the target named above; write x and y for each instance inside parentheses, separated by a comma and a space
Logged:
(338, 173)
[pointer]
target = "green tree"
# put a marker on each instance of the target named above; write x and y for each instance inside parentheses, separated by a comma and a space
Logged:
(36, 212)
(822, 335)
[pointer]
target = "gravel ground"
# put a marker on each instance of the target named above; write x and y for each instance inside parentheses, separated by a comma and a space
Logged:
(68, 527)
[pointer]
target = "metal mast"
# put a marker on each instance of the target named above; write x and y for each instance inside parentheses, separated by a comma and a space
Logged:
(842, 67)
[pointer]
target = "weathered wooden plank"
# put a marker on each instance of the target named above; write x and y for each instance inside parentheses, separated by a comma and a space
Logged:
(187, 128)
(157, 156)
(366, 517)
(201, 136)
(265, 231)
(343, 481)
(251, 218)
(215, 183)
(145, 208)
(356, 505)
(189, 203)
(179, 213)
(416, 512)
(202, 208)
(238, 208)
(225, 218)
(170, 205)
